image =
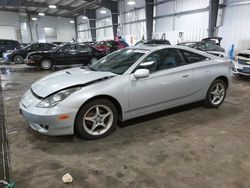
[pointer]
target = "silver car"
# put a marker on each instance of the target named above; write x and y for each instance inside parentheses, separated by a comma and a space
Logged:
(126, 84)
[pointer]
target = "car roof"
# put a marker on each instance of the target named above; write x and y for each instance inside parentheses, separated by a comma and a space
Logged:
(8, 40)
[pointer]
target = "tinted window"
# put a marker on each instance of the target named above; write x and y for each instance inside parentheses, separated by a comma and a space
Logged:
(201, 46)
(192, 57)
(84, 48)
(2, 42)
(164, 59)
(210, 46)
(35, 46)
(47, 46)
(69, 47)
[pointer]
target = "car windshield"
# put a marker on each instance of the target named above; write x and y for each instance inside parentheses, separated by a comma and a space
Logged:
(57, 48)
(119, 61)
(27, 46)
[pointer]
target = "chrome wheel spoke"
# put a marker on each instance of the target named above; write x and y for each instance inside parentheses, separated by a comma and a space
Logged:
(214, 99)
(94, 126)
(104, 116)
(221, 91)
(97, 111)
(90, 119)
(214, 92)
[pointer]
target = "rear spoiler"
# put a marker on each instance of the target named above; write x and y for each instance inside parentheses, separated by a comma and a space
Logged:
(216, 40)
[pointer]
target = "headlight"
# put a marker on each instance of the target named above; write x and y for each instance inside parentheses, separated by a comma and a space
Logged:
(53, 100)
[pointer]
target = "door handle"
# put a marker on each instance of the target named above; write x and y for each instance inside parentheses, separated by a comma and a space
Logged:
(185, 76)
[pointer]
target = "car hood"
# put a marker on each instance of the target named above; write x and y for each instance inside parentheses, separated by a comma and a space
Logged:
(65, 79)
(245, 52)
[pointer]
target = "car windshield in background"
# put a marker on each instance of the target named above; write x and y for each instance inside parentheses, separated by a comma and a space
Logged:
(119, 61)
(57, 48)
(27, 46)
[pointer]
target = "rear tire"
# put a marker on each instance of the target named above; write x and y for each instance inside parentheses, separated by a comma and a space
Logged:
(46, 64)
(96, 119)
(216, 94)
(18, 59)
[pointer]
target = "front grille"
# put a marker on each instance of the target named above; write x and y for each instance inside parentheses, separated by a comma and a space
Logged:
(245, 55)
(242, 62)
(239, 70)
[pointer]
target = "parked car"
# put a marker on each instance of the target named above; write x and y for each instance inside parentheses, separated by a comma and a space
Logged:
(204, 45)
(8, 45)
(241, 65)
(128, 83)
(110, 45)
(67, 54)
(153, 41)
(19, 55)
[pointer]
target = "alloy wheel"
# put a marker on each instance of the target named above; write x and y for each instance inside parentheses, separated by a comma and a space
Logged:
(98, 120)
(217, 93)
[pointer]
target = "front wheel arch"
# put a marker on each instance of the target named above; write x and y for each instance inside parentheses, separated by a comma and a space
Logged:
(225, 79)
(107, 97)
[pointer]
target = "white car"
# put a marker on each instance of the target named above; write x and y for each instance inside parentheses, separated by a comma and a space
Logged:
(241, 65)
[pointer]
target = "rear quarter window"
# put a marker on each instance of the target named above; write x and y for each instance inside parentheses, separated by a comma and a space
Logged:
(192, 57)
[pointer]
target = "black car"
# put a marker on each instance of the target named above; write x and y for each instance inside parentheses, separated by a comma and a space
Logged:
(19, 55)
(8, 45)
(154, 41)
(67, 54)
(204, 45)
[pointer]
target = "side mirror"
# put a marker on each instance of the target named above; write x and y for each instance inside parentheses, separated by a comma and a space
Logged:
(147, 63)
(141, 73)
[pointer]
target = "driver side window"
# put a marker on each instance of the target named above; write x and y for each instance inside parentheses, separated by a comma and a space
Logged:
(163, 59)
(68, 48)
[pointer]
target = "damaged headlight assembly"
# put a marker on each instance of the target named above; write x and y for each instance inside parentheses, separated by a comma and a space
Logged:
(56, 98)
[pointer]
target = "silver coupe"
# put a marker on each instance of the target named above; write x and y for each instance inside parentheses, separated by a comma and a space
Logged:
(126, 84)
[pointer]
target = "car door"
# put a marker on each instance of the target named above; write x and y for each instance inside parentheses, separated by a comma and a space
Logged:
(66, 55)
(169, 84)
(202, 70)
(84, 54)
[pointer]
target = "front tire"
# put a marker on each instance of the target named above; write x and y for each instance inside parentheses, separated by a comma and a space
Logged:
(18, 59)
(46, 64)
(216, 94)
(96, 119)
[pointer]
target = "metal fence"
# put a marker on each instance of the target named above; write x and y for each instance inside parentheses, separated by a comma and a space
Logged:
(4, 155)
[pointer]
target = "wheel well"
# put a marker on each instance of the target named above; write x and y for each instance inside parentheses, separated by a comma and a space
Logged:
(111, 99)
(225, 79)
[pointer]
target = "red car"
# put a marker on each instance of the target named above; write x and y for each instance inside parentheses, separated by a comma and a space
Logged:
(110, 45)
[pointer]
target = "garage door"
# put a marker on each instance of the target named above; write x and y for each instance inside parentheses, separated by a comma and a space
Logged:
(8, 32)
